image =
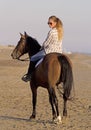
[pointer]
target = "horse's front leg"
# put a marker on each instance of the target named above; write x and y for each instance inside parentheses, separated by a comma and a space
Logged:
(34, 100)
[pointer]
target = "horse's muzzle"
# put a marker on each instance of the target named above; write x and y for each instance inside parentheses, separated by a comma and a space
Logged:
(15, 55)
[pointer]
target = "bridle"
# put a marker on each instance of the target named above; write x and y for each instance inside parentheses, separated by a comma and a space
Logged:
(24, 50)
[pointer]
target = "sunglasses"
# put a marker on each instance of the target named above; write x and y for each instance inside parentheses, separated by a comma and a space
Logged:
(50, 23)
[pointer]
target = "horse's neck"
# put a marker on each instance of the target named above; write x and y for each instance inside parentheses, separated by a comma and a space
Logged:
(34, 47)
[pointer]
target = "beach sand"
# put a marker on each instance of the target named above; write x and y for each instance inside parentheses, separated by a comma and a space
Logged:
(16, 98)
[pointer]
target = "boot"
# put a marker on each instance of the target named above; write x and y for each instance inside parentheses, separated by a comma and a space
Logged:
(27, 77)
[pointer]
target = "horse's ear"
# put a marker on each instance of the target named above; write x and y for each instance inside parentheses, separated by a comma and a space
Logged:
(26, 35)
(21, 34)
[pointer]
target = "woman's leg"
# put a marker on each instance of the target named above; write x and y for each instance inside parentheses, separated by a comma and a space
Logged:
(27, 77)
(38, 56)
(33, 61)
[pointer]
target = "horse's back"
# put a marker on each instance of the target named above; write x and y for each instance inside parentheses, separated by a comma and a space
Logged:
(49, 70)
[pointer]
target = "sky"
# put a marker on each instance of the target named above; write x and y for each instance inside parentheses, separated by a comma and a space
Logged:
(17, 16)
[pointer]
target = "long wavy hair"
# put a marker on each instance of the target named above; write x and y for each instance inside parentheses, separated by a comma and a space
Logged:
(59, 26)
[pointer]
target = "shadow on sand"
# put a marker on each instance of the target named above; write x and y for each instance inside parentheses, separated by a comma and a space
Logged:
(26, 120)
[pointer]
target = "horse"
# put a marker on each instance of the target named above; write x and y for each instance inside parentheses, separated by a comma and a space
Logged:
(54, 69)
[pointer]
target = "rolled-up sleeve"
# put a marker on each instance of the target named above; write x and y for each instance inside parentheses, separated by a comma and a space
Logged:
(48, 40)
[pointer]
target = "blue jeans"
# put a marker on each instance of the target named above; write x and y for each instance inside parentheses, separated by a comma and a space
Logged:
(38, 56)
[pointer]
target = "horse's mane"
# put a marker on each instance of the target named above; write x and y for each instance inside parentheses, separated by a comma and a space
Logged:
(35, 46)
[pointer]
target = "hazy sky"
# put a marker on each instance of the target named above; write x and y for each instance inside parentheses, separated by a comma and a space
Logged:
(32, 16)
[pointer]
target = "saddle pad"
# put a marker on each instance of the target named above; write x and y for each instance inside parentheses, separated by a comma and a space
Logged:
(39, 62)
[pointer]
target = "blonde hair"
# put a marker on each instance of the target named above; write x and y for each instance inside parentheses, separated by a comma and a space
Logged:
(59, 26)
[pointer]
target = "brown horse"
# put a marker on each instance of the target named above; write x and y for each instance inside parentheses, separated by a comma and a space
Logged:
(54, 69)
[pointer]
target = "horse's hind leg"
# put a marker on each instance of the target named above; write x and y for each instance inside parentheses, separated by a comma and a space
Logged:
(51, 100)
(54, 103)
(65, 106)
(58, 117)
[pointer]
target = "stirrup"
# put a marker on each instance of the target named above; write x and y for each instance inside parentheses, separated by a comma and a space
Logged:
(26, 77)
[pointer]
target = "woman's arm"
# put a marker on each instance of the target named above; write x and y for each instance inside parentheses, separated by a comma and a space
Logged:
(47, 41)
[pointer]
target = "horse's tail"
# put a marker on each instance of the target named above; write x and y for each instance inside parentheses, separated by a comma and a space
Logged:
(66, 75)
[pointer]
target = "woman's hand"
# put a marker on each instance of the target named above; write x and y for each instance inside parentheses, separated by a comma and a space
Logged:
(42, 47)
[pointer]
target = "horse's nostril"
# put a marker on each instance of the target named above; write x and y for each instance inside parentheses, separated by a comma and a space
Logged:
(11, 55)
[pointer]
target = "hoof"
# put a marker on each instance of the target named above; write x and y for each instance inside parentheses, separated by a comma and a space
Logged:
(32, 117)
(58, 120)
(65, 113)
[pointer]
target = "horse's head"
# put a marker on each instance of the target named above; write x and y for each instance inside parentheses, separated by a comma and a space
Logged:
(21, 47)
(26, 44)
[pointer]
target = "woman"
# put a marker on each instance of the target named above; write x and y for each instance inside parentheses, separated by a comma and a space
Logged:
(53, 43)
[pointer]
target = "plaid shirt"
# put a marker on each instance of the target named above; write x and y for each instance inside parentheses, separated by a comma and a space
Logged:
(51, 44)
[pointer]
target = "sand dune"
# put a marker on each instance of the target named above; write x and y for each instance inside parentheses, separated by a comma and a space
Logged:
(15, 97)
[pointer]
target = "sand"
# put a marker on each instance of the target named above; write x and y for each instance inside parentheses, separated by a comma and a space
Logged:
(16, 100)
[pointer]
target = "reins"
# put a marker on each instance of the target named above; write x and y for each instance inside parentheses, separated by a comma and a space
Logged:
(25, 59)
